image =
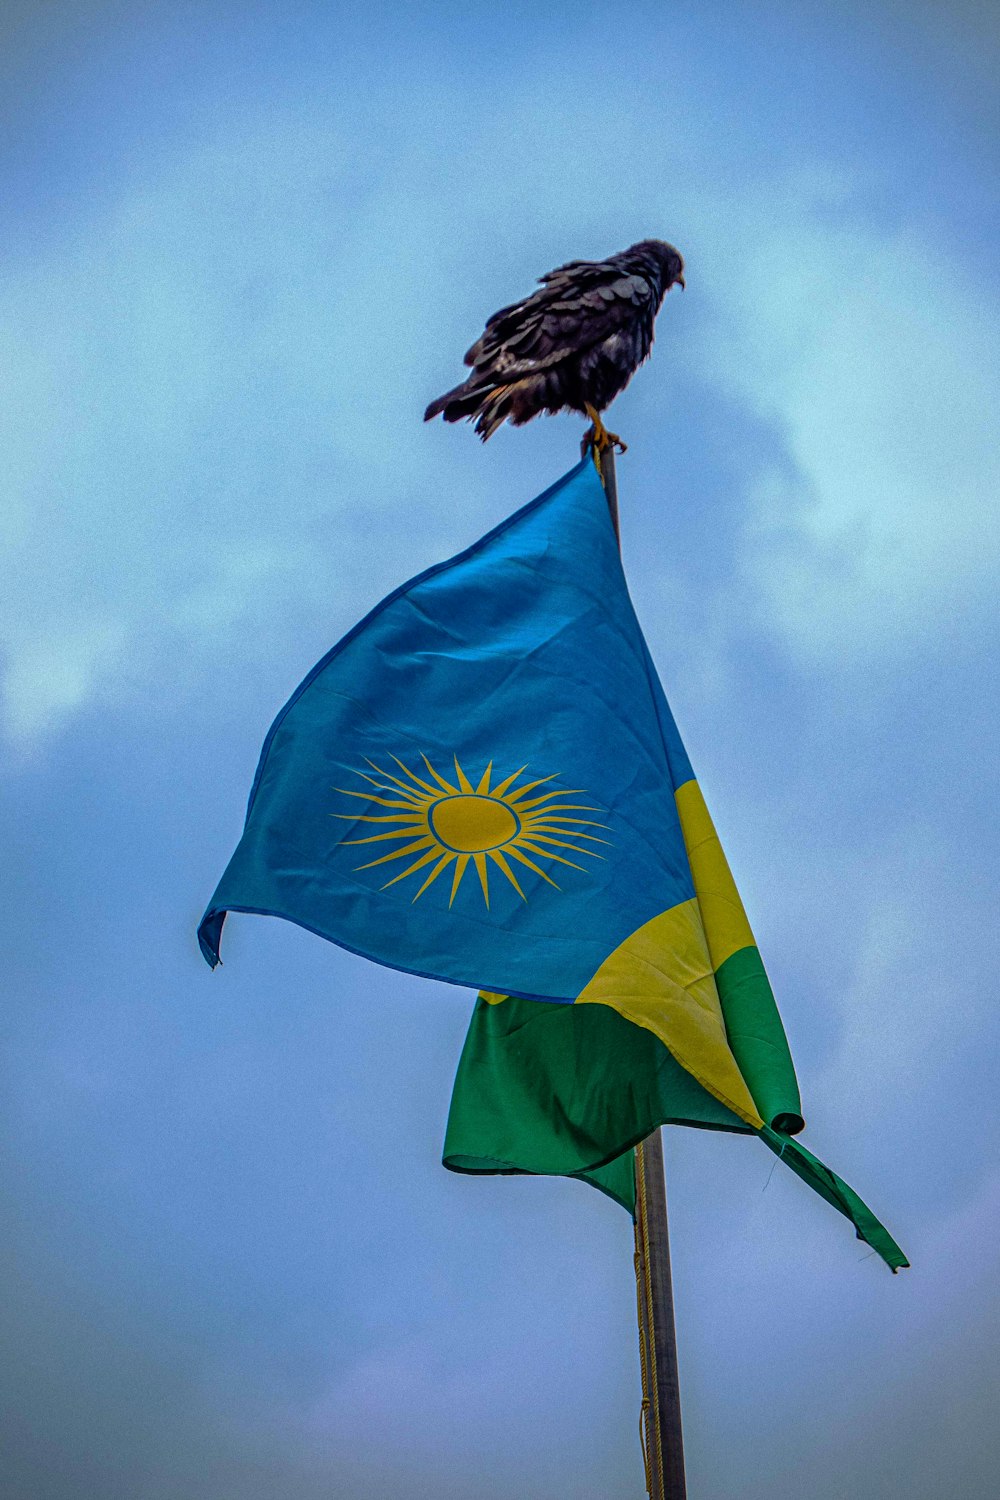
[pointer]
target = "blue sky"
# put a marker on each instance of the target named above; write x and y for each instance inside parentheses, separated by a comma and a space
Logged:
(243, 246)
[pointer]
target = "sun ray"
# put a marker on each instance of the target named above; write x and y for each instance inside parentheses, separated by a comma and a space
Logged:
(436, 825)
(572, 826)
(547, 854)
(382, 801)
(442, 864)
(376, 838)
(575, 833)
(581, 848)
(415, 821)
(556, 812)
(498, 859)
(460, 867)
(537, 830)
(410, 790)
(545, 838)
(529, 786)
(484, 879)
(414, 796)
(555, 791)
(542, 816)
(549, 797)
(417, 864)
(463, 780)
(415, 778)
(446, 785)
(423, 843)
(501, 786)
(516, 853)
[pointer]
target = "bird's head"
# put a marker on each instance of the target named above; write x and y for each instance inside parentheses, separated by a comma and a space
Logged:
(658, 261)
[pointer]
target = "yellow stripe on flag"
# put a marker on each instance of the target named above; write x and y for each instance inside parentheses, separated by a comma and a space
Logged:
(661, 978)
(725, 921)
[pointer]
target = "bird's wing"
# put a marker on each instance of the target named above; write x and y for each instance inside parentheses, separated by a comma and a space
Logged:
(583, 271)
(586, 274)
(578, 305)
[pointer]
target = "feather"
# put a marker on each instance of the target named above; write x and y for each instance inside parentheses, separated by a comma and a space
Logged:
(573, 344)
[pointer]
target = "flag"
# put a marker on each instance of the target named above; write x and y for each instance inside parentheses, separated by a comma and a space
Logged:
(568, 1092)
(482, 783)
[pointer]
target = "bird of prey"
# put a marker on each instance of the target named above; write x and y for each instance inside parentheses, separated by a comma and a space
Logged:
(572, 345)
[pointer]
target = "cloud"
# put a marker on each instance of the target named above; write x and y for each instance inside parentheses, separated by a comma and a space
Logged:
(53, 673)
(201, 355)
(910, 1019)
(192, 364)
(219, 327)
(879, 362)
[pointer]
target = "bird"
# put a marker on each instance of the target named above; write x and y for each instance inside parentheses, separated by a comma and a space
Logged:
(573, 345)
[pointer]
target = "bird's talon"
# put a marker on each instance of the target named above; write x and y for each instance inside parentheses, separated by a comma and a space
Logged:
(597, 439)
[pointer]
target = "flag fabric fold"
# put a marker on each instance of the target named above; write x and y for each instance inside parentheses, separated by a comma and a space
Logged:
(483, 783)
(568, 1092)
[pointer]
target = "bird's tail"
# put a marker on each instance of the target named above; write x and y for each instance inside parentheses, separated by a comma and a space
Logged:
(491, 405)
(494, 409)
(456, 404)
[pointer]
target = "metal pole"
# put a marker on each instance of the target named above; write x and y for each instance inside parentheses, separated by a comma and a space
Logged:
(610, 481)
(663, 1443)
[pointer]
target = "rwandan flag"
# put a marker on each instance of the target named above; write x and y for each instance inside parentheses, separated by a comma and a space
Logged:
(483, 783)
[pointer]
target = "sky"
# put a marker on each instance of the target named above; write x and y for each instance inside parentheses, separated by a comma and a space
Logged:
(243, 246)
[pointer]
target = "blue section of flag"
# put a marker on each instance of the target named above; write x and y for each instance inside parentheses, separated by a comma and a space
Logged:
(521, 652)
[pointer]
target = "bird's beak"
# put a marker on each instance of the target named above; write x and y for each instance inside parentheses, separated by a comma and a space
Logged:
(680, 282)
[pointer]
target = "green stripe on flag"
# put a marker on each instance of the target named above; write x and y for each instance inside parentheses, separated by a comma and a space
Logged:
(757, 1039)
(568, 1090)
(836, 1191)
(564, 1090)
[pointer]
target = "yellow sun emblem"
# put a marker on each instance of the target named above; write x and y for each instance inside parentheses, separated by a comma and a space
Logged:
(445, 824)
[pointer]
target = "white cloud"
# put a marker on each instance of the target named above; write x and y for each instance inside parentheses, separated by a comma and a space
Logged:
(880, 365)
(189, 374)
(906, 1009)
(53, 673)
(186, 387)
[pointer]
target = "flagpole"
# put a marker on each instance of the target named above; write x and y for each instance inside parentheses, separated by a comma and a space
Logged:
(663, 1444)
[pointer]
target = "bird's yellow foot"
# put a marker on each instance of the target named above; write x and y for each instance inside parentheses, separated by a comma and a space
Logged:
(597, 439)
